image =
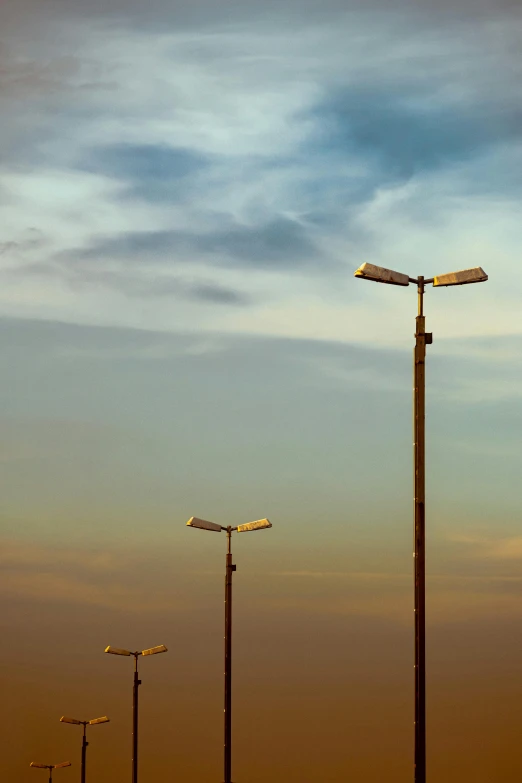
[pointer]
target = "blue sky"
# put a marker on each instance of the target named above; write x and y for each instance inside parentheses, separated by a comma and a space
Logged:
(185, 193)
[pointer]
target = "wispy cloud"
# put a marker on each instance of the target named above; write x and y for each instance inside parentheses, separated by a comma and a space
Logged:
(389, 596)
(54, 574)
(20, 555)
(357, 576)
(485, 547)
(280, 243)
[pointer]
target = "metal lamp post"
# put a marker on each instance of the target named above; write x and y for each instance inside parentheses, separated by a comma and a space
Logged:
(50, 767)
(203, 524)
(137, 682)
(422, 339)
(84, 723)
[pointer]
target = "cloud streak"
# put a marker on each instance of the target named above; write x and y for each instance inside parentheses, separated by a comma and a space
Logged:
(77, 576)
(281, 243)
(486, 548)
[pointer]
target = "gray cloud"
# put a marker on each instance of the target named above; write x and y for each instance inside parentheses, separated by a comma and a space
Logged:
(279, 243)
(403, 138)
(206, 13)
(199, 291)
(153, 172)
(81, 277)
(218, 294)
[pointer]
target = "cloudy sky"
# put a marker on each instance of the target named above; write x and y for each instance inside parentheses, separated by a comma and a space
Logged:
(185, 192)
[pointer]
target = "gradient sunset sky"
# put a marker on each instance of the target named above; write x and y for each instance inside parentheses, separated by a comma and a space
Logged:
(186, 189)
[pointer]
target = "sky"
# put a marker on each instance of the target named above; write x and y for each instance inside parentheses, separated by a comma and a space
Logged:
(185, 192)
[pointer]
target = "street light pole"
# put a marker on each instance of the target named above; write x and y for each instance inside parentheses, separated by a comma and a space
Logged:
(422, 339)
(419, 450)
(230, 568)
(84, 723)
(84, 752)
(137, 682)
(204, 524)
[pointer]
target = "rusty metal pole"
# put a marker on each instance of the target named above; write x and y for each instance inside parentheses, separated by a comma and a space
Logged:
(84, 752)
(228, 661)
(137, 683)
(419, 387)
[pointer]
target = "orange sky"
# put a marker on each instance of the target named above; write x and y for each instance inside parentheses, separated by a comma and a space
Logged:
(322, 668)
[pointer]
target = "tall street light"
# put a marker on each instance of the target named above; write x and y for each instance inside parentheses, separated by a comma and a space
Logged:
(137, 682)
(203, 524)
(84, 723)
(422, 339)
(50, 767)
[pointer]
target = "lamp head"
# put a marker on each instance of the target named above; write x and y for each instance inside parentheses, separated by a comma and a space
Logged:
(64, 719)
(465, 276)
(117, 651)
(260, 524)
(203, 524)
(381, 275)
(154, 650)
(95, 721)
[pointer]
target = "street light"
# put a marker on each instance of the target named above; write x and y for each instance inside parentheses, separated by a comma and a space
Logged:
(422, 338)
(50, 767)
(203, 524)
(84, 723)
(150, 651)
